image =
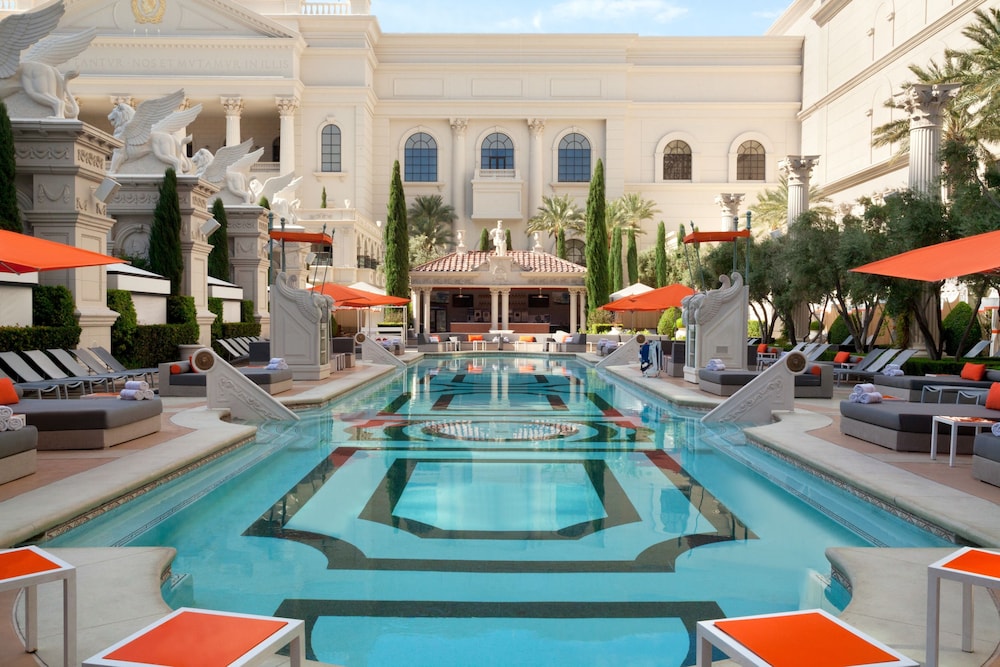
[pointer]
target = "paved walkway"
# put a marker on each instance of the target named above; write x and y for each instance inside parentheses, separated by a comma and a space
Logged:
(119, 588)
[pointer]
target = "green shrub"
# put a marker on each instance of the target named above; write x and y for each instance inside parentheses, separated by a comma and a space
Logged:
(52, 306)
(14, 339)
(181, 310)
(667, 325)
(838, 331)
(157, 343)
(953, 326)
(246, 310)
(754, 329)
(215, 305)
(123, 329)
(236, 329)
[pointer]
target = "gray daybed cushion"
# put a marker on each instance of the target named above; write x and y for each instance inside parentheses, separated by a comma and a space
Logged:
(986, 458)
(910, 387)
(727, 383)
(18, 456)
(906, 426)
(89, 423)
(191, 384)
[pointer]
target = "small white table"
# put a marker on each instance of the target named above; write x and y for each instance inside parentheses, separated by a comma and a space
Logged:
(790, 638)
(977, 423)
(27, 567)
(479, 345)
(226, 639)
(452, 345)
(970, 566)
(500, 333)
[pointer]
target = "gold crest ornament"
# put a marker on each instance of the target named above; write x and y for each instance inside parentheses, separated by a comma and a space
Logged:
(148, 11)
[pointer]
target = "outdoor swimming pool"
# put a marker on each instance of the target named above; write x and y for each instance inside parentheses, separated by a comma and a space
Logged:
(499, 510)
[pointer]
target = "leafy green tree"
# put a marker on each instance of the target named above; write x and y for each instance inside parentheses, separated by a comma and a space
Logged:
(10, 216)
(218, 259)
(771, 208)
(397, 243)
(632, 259)
(484, 240)
(615, 260)
(597, 242)
(661, 256)
(430, 218)
(556, 216)
(165, 257)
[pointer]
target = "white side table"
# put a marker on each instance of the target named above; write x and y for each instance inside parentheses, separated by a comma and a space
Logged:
(977, 423)
(217, 639)
(970, 566)
(27, 567)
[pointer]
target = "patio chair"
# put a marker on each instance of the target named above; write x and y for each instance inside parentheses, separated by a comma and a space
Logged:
(52, 372)
(235, 353)
(976, 349)
(106, 357)
(25, 373)
(898, 357)
(42, 389)
(845, 371)
(817, 351)
(72, 364)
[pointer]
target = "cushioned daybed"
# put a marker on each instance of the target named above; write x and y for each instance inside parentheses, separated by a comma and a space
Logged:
(810, 384)
(906, 426)
(18, 453)
(177, 379)
(910, 387)
(986, 458)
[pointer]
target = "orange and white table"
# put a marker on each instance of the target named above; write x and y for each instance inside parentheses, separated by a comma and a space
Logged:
(793, 639)
(977, 423)
(970, 566)
(27, 567)
(206, 638)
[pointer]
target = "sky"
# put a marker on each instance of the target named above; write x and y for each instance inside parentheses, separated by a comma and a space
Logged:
(670, 18)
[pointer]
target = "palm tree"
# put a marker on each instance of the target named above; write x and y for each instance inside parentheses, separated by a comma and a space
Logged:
(633, 210)
(556, 216)
(430, 219)
(771, 208)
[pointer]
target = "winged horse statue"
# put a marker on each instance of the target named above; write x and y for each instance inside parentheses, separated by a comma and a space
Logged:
(154, 127)
(229, 168)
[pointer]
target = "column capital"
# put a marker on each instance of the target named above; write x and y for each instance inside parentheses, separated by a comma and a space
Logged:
(923, 103)
(287, 105)
(798, 168)
(233, 104)
(459, 126)
(730, 202)
(537, 126)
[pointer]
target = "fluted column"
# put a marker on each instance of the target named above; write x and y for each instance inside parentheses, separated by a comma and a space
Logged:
(798, 169)
(536, 178)
(924, 104)
(494, 308)
(458, 180)
(233, 106)
(730, 205)
(505, 308)
(286, 108)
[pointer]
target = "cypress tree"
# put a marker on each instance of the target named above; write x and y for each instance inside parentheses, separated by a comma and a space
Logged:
(632, 259)
(397, 240)
(661, 255)
(597, 242)
(615, 260)
(10, 217)
(561, 244)
(218, 259)
(165, 256)
(484, 240)
(510, 245)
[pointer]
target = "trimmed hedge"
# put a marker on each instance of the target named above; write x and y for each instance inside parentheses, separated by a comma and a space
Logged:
(156, 343)
(52, 306)
(15, 339)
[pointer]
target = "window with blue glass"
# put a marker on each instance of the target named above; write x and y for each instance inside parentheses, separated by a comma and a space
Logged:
(574, 159)
(421, 158)
(498, 152)
(330, 148)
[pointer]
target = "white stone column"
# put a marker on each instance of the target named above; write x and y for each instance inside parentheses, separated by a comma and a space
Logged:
(287, 107)
(730, 205)
(494, 308)
(505, 308)
(798, 169)
(536, 176)
(573, 312)
(458, 180)
(924, 104)
(234, 110)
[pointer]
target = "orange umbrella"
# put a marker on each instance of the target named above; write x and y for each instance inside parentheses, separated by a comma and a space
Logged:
(371, 300)
(657, 299)
(340, 293)
(973, 254)
(20, 253)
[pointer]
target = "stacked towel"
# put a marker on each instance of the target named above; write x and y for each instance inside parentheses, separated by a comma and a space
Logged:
(715, 365)
(870, 397)
(137, 390)
(9, 421)
(892, 369)
(864, 393)
(995, 429)
(277, 364)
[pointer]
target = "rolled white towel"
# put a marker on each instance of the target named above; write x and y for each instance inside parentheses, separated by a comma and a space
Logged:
(864, 388)
(871, 397)
(130, 395)
(995, 429)
(148, 394)
(6, 411)
(141, 385)
(893, 372)
(16, 422)
(3, 423)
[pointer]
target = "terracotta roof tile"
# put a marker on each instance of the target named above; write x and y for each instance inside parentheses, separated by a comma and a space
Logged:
(540, 262)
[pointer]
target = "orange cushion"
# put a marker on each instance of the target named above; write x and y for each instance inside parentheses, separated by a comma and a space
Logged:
(816, 369)
(993, 397)
(762, 347)
(773, 350)
(527, 339)
(175, 369)
(841, 357)
(973, 371)
(475, 337)
(8, 395)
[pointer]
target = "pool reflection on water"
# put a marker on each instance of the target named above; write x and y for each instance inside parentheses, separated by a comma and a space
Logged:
(500, 510)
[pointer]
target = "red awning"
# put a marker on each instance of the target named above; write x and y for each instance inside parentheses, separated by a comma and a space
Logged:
(962, 257)
(301, 237)
(707, 237)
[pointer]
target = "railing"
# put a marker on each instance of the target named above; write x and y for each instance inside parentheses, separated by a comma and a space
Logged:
(325, 8)
(265, 167)
(497, 174)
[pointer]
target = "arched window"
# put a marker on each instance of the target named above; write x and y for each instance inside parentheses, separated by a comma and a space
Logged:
(574, 159)
(498, 152)
(750, 159)
(576, 251)
(330, 148)
(677, 161)
(421, 158)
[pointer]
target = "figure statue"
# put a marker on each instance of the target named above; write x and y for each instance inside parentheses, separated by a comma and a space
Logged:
(278, 191)
(33, 71)
(229, 169)
(500, 240)
(156, 128)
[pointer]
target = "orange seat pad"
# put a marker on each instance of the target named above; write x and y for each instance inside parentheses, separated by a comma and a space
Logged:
(977, 562)
(803, 639)
(24, 561)
(194, 639)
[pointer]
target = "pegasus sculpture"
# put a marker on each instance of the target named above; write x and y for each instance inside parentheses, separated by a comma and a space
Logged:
(229, 169)
(156, 127)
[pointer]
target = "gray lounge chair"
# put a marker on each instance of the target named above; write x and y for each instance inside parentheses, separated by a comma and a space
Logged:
(52, 372)
(976, 349)
(149, 374)
(41, 389)
(847, 371)
(17, 365)
(72, 364)
(899, 358)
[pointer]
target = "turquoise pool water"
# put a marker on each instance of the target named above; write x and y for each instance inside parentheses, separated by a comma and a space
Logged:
(500, 510)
